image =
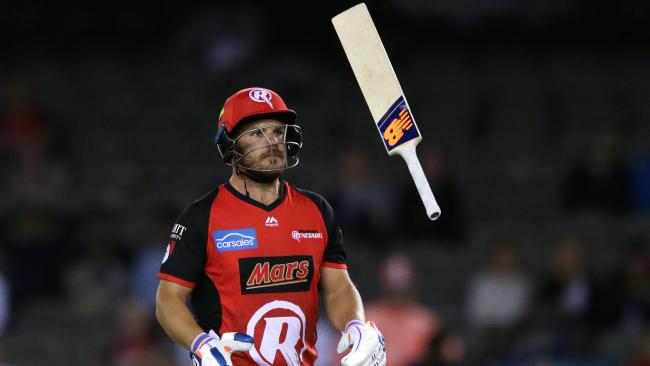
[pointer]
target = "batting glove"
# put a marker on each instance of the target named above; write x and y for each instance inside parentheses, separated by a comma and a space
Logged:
(367, 345)
(210, 350)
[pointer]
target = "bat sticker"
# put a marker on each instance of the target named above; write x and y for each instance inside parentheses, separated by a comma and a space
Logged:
(397, 126)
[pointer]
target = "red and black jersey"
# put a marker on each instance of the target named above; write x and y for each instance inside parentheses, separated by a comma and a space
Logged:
(255, 268)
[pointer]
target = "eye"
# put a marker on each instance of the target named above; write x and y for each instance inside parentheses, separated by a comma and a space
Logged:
(256, 133)
(279, 132)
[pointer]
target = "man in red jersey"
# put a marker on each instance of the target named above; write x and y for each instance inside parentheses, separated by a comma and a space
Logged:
(254, 253)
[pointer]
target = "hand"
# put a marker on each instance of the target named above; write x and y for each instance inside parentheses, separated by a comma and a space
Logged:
(210, 350)
(367, 345)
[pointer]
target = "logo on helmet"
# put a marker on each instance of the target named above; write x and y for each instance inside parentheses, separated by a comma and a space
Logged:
(261, 96)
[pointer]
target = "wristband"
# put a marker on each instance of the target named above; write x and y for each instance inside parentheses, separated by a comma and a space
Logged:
(199, 341)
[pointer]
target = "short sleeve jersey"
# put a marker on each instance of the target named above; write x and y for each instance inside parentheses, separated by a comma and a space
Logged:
(255, 268)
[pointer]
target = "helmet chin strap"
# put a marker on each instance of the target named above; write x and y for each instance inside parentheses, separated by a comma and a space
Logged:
(256, 175)
(238, 172)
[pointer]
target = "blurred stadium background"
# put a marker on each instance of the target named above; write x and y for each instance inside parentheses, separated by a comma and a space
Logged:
(536, 142)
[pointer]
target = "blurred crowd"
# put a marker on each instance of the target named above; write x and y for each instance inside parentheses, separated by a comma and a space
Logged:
(480, 286)
(564, 312)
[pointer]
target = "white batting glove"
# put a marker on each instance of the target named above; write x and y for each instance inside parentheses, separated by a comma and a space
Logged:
(367, 345)
(210, 350)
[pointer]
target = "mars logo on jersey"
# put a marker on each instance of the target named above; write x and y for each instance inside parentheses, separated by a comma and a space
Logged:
(239, 239)
(275, 274)
(278, 329)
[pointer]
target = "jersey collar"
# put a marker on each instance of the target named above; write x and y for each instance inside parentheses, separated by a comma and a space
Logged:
(269, 207)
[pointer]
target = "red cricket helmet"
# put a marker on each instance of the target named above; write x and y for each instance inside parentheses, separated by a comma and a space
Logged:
(253, 104)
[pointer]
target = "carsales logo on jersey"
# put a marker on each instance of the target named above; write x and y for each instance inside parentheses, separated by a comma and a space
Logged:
(239, 239)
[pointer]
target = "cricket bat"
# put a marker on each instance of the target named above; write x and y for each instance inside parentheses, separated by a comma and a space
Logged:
(383, 94)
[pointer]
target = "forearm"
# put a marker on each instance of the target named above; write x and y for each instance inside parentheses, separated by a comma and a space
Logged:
(177, 320)
(343, 304)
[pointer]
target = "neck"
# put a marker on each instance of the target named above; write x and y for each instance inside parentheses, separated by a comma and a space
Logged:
(265, 193)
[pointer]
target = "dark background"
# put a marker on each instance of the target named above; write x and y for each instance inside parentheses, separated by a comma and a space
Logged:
(536, 144)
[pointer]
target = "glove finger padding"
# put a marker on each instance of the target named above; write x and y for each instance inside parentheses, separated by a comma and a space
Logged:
(218, 358)
(212, 350)
(380, 352)
(378, 358)
(236, 342)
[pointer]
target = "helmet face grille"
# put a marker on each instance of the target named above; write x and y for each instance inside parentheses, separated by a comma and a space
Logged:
(285, 139)
(293, 140)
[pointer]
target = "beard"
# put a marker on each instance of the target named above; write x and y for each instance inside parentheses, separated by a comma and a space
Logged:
(261, 176)
(259, 173)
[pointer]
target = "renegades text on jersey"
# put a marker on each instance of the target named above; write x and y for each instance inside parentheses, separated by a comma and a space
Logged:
(255, 268)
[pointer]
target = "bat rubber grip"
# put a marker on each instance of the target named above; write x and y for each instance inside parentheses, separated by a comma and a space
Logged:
(430, 204)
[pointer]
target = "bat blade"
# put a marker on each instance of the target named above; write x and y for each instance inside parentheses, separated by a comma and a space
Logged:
(383, 94)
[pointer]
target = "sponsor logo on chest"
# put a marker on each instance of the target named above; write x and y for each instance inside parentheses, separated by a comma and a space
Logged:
(279, 329)
(238, 239)
(275, 274)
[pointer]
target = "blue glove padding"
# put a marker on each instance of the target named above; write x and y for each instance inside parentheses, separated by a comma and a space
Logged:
(210, 350)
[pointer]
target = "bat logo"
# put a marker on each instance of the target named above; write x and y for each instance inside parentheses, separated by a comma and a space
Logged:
(396, 128)
(261, 96)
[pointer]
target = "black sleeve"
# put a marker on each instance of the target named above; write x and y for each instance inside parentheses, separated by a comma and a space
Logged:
(334, 252)
(186, 255)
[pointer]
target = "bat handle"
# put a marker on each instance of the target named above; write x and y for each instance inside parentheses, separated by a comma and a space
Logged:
(412, 161)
